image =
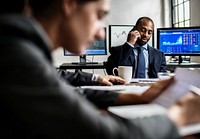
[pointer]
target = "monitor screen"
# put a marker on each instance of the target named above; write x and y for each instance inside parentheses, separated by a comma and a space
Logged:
(179, 41)
(98, 47)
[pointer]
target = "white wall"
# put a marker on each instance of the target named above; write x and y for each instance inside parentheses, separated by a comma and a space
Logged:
(195, 10)
(195, 20)
(127, 12)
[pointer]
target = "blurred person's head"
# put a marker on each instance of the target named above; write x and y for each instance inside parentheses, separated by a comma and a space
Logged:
(15, 7)
(12, 6)
(145, 26)
(72, 24)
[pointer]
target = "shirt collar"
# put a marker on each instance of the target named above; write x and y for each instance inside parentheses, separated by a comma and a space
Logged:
(136, 45)
(130, 44)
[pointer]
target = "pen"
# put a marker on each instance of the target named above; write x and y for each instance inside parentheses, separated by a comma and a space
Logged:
(194, 89)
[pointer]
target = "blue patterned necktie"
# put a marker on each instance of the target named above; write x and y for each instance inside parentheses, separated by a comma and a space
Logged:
(140, 71)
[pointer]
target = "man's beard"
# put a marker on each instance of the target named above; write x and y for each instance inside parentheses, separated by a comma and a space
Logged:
(141, 43)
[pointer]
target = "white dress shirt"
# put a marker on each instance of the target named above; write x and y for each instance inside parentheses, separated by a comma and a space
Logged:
(146, 57)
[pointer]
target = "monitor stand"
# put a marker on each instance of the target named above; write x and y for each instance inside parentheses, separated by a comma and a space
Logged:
(83, 61)
(180, 60)
(183, 59)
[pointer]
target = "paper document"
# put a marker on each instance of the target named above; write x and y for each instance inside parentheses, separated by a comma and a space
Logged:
(135, 111)
(120, 88)
(184, 79)
(144, 80)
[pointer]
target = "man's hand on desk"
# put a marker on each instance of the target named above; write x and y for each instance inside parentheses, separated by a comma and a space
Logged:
(146, 97)
(109, 80)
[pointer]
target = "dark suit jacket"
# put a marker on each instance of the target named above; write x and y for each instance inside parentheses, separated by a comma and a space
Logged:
(35, 103)
(78, 78)
(157, 61)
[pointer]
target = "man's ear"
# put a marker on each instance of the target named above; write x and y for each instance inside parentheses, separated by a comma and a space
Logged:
(68, 6)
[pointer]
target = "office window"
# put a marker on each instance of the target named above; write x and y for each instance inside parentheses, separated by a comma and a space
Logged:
(180, 13)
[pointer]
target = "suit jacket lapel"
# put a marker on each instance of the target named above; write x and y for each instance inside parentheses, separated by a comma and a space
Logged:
(150, 55)
(127, 57)
(151, 72)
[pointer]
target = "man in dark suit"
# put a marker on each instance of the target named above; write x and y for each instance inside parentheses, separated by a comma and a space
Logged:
(127, 54)
(35, 103)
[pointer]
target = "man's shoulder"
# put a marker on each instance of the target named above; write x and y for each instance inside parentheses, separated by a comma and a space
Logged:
(115, 49)
(154, 50)
(118, 47)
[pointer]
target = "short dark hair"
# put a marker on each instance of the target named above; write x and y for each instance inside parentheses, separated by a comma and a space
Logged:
(44, 8)
(40, 7)
(12, 6)
(143, 18)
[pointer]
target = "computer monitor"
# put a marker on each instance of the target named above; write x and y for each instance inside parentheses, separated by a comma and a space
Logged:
(98, 47)
(179, 41)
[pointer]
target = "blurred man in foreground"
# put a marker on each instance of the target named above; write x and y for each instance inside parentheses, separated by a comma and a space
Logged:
(37, 104)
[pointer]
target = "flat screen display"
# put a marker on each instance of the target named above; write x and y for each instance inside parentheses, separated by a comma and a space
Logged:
(179, 41)
(98, 47)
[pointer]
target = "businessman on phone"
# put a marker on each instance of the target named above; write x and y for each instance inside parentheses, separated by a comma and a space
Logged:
(136, 52)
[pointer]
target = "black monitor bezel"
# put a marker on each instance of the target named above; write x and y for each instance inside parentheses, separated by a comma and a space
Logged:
(176, 28)
(105, 43)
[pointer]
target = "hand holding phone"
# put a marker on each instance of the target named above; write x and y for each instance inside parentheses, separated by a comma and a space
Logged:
(133, 36)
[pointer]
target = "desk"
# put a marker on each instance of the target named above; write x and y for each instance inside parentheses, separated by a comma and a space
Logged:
(81, 66)
(135, 88)
(172, 66)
